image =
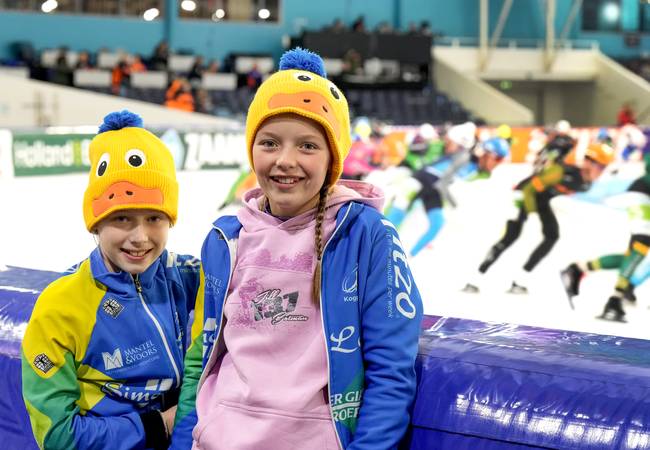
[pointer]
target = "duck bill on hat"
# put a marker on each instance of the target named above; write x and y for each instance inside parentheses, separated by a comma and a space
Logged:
(312, 102)
(125, 193)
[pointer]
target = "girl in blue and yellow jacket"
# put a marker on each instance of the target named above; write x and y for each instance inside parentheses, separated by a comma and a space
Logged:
(102, 356)
(308, 332)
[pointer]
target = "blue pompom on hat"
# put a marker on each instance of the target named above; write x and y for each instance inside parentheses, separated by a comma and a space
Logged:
(301, 59)
(120, 119)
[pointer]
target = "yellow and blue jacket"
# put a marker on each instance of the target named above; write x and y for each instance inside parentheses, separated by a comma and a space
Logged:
(102, 349)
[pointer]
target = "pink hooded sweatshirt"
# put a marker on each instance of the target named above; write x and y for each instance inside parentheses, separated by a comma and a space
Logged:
(269, 390)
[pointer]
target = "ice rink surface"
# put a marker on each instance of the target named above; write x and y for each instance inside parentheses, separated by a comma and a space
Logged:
(42, 228)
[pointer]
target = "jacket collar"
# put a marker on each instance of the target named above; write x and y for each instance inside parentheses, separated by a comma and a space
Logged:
(231, 226)
(122, 282)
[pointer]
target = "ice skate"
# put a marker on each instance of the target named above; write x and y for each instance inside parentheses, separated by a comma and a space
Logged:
(517, 289)
(614, 310)
(571, 277)
(470, 289)
(628, 295)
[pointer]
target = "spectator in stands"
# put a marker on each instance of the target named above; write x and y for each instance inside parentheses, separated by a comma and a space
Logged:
(62, 58)
(62, 73)
(352, 64)
(384, 28)
(359, 25)
(160, 56)
(213, 66)
(254, 78)
(179, 95)
(195, 74)
(120, 78)
(337, 26)
(137, 65)
(412, 28)
(625, 115)
(204, 102)
(83, 61)
(425, 28)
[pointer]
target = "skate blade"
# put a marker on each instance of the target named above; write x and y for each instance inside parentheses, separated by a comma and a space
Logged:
(517, 291)
(608, 318)
(470, 290)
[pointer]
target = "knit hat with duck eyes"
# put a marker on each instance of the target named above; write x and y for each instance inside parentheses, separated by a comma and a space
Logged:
(130, 168)
(300, 86)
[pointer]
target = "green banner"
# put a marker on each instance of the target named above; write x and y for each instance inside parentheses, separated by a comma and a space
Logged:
(49, 154)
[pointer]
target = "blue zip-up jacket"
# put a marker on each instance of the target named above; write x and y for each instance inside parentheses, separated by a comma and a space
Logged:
(371, 312)
(101, 349)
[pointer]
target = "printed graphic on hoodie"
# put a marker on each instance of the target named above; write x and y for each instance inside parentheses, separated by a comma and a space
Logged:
(272, 304)
(262, 305)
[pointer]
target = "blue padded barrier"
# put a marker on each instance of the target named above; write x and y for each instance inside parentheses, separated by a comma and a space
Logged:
(481, 386)
(501, 386)
(19, 289)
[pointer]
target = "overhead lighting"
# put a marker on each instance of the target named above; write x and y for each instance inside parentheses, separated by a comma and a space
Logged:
(188, 5)
(49, 6)
(611, 12)
(150, 14)
(219, 14)
(264, 13)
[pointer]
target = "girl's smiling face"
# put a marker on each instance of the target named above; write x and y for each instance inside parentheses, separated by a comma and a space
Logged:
(291, 158)
(132, 239)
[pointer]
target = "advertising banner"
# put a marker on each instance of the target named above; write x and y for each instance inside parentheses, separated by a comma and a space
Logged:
(42, 153)
(50, 154)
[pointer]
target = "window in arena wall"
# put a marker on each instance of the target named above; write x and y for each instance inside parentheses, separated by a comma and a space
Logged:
(101, 7)
(138, 7)
(40, 5)
(601, 15)
(644, 17)
(91, 7)
(230, 10)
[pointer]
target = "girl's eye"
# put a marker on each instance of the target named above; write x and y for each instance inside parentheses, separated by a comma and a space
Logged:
(309, 146)
(267, 144)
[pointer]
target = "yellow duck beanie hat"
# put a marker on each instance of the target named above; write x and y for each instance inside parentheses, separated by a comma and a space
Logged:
(300, 86)
(130, 168)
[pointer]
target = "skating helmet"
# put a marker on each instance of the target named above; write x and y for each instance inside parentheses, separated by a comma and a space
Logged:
(601, 153)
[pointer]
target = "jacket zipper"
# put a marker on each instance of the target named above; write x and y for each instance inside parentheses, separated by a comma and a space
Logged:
(138, 287)
(322, 317)
(223, 302)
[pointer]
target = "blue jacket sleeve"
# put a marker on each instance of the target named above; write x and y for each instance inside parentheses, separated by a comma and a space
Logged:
(51, 399)
(391, 316)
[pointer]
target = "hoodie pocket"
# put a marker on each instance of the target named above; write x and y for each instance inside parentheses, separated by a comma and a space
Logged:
(231, 425)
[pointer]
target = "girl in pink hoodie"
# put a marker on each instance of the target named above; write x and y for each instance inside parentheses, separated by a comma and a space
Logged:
(281, 359)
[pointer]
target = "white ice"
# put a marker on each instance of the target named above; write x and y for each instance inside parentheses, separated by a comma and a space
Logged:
(41, 227)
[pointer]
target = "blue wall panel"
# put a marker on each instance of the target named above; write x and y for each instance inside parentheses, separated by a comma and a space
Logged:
(457, 18)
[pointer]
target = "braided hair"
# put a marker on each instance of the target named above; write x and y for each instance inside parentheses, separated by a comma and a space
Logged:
(318, 242)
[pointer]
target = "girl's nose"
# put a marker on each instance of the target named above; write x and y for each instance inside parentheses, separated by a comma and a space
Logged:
(286, 158)
(139, 234)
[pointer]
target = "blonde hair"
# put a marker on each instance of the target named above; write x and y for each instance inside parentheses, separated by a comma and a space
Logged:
(318, 242)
